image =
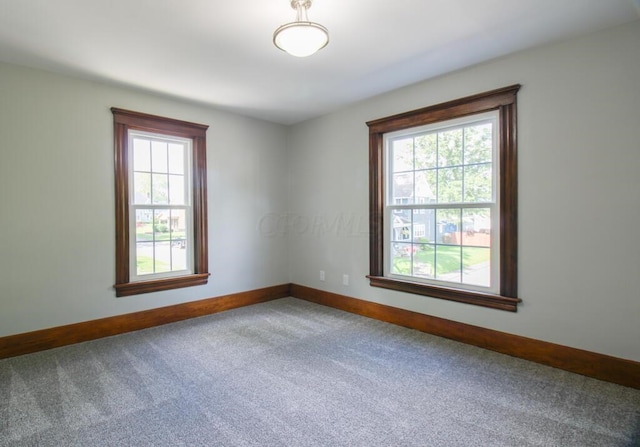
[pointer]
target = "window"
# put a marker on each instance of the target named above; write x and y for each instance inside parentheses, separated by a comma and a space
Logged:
(443, 199)
(161, 203)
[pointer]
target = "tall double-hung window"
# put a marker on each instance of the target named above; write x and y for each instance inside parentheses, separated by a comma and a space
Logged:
(443, 201)
(161, 238)
(160, 206)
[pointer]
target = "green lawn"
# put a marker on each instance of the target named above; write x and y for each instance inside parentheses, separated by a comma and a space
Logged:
(144, 265)
(447, 259)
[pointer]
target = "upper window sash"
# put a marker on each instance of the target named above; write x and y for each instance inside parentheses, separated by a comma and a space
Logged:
(435, 128)
(175, 166)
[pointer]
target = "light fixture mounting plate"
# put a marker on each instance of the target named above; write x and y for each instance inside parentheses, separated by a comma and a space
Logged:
(304, 3)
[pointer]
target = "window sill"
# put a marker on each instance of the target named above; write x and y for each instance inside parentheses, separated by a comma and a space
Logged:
(157, 285)
(446, 293)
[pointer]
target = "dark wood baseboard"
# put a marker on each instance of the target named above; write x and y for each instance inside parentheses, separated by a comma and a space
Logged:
(598, 366)
(41, 340)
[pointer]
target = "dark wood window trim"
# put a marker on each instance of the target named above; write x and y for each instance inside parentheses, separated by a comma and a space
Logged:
(504, 101)
(125, 120)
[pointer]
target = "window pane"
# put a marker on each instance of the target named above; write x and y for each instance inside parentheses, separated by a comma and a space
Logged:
(450, 185)
(426, 151)
(476, 225)
(448, 226)
(402, 155)
(178, 226)
(478, 183)
(161, 236)
(144, 225)
(159, 156)
(448, 263)
(179, 240)
(401, 228)
(161, 225)
(179, 255)
(144, 258)
(142, 188)
(424, 261)
(402, 189)
(176, 158)
(401, 259)
(162, 256)
(141, 155)
(424, 226)
(160, 189)
(478, 143)
(176, 190)
(426, 186)
(144, 242)
(476, 263)
(450, 148)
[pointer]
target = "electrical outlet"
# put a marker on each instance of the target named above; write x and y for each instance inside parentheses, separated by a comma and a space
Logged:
(321, 275)
(345, 280)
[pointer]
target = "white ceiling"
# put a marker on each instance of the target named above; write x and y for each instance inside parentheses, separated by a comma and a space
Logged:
(220, 52)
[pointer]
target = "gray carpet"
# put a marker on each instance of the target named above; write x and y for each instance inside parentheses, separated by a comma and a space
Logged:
(292, 373)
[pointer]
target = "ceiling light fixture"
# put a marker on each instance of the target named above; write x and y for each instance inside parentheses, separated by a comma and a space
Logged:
(301, 38)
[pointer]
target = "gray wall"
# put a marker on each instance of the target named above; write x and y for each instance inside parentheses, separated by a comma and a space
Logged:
(57, 236)
(579, 193)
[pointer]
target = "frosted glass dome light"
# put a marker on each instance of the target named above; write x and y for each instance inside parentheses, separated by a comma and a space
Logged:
(301, 38)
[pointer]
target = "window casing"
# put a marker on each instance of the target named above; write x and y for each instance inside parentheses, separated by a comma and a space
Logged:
(161, 224)
(443, 201)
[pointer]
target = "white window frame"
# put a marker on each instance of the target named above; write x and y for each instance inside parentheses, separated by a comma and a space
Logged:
(493, 205)
(188, 206)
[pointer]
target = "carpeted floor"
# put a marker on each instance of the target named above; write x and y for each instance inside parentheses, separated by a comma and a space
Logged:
(292, 373)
